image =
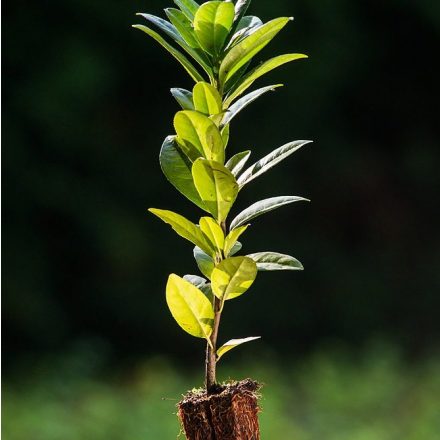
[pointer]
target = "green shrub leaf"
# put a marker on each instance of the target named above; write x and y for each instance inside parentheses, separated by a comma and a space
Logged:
(268, 261)
(192, 71)
(177, 169)
(236, 163)
(183, 25)
(245, 27)
(190, 307)
(232, 344)
(237, 246)
(206, 98)
(212, 23)
(201, 284)
(233, 277)
(262, 207)
(188, 7)
(216, 186)
(197, 131)
(269, 161)
(247, 48)
(183, 97)
(184, 228)
(205, 263)
(245, 82)
(232, 238)
(213, 231)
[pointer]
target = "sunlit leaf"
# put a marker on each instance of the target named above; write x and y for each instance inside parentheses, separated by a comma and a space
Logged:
(197, 131)
(269, 161)
(188, 7)
(183, 25)
(190, 307)
(213, 231)
(201, 284)
(212, 23)
(236, 163)
(245, 27)
(184, 228)
(246, 49)
(234, 343)
(225, 132)
(206, 99)
(232, 277)
(216, 186)
(268, 261)
(232, 238)
(192, 71)
(183, 97)
(205, 263)
(262, 207)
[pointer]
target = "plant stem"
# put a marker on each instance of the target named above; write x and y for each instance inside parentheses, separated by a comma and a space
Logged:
(211, 357)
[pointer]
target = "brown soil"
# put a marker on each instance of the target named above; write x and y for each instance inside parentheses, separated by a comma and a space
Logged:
(231, 413)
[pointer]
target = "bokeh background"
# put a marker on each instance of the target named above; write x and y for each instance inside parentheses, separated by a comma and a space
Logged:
(350, 346)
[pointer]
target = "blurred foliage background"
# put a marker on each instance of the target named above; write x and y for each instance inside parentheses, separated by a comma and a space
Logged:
(89, 347)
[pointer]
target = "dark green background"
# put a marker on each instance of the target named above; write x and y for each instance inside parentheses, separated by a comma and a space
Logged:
(86, 105)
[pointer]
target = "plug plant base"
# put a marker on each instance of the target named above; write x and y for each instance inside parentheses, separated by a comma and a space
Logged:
(231, 413)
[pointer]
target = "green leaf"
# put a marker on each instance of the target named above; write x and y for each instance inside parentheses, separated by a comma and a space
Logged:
(245, 82)
(269, 161)
(275, 261)
(213, 231)
(245, 101)
(237, 246)
(232, 344)
(212, 23)
(232, 277)
(205, 263)
(201, 284)
(184, 228)
(177, 169)
(262, 207)
(236, 163)
(183, 26)
(189, 307)
(183, 97)
(232, 238)
(188, 7)
(241, 6)
(246, 49)
(197, 131)
(245, 27)
(165, 26)
(192, 71)
(216, 186)
(225, 131)
(206, 98)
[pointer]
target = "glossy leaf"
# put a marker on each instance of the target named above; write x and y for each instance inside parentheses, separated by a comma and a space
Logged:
(201, 284)
(233, 277)
(232, 238)
(190, 307)
(237, 247)
(183, 97)
(236, 163)
(197, 131)
(206, 99)
(246, 49)
(165, 26)
(262, 207)
(241, 6)
(177, 169)
(236, 108)
(225, 132)
(245, 82)
(245, 27)
(183, 25)
(216, 186)
(269, 161)
(184, 228)
(268, 261)
(234, 343)
(213, 231)
(205, 263)
(192, 71)
(212, 23)
(188, 7)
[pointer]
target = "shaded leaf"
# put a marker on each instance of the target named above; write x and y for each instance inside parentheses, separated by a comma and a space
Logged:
(237, 246)
(246, 49)
(201, 284)
(192, 71)
(213, 231)
(183, 97)
(262, 207)
(216, 186)
(206, 99)
(190, 307)
(205, 263)
(232, 238)
(236, 163)
(268, 261)
(234, 343)
(188, 7)
(184, 228)
(269, 161)
(232, 277)
(246, 26)
(183, 25)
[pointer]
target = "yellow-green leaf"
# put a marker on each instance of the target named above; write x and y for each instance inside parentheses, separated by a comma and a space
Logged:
(206, 99)
(205, 263)
(234, 343)
(198, 133)
(212, 23)
(184, 228)
(232, 238)
(216, 186)
(190, 307)
(213, 231)
(232, 277)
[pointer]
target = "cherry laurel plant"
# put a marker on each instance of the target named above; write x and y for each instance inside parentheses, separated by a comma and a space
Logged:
(221, 41)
